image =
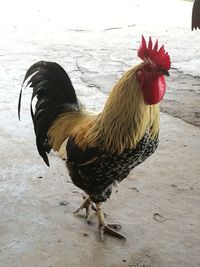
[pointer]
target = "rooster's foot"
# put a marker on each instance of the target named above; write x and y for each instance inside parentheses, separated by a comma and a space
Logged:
(87, 204)
(109, 229)
(105, 228)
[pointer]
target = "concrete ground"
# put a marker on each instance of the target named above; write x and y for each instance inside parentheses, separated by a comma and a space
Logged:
(157, 205)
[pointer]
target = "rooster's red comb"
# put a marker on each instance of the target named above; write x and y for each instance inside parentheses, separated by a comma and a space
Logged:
(159, 57)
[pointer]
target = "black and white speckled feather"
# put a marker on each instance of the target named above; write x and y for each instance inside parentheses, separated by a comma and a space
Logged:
(101, 169)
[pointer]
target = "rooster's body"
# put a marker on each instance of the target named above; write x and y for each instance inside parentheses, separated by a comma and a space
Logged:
(100, 150)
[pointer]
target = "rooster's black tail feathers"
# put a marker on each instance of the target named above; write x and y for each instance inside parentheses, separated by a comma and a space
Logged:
(55, 95)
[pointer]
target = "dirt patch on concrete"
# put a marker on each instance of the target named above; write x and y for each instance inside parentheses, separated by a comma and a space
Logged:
(182, 99)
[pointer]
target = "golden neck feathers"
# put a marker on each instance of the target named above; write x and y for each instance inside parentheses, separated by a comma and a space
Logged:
(125, 117)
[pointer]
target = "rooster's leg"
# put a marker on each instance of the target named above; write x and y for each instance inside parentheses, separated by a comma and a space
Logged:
(86, 205)
(105, 227)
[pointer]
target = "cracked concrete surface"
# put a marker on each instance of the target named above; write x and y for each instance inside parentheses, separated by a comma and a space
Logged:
(157, 205)
(183, 97)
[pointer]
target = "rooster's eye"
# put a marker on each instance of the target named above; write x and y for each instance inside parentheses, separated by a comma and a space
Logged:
(148, 69)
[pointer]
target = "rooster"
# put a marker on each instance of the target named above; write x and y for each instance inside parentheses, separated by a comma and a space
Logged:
(196, 15)
(100, 149)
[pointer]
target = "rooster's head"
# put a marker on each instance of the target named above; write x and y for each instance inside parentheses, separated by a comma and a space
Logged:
(150, 74)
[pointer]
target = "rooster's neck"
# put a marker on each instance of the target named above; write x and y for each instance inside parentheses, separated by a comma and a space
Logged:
(125, 117)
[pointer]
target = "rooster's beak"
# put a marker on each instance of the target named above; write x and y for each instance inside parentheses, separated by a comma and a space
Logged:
(165, 72)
